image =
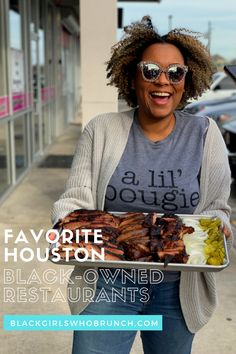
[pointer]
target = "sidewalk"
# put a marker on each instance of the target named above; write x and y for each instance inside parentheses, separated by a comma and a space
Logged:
(28, 207)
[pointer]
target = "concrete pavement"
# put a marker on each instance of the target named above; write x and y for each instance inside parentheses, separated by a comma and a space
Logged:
(28, 207)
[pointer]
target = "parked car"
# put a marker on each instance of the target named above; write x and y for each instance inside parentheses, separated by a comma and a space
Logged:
(221, 113)
(222, 86)
(224, 113)
(198, 106)
(229, 134)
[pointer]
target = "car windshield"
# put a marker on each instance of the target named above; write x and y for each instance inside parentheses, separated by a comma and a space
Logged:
(215, 76)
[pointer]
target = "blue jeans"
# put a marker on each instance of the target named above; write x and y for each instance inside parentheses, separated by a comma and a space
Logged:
(163, 300)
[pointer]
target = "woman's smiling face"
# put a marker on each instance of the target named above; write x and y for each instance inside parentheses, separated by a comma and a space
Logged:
(159, 99)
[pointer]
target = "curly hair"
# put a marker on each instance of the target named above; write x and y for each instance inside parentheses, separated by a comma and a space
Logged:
(127, 53)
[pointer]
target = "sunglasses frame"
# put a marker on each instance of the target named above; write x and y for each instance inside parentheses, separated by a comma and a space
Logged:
(162, 70)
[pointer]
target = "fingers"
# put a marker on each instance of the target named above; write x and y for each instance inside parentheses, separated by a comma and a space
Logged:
(226, 232)
(52, 236)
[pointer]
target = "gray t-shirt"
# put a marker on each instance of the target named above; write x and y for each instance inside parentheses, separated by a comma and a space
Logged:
(160, 176)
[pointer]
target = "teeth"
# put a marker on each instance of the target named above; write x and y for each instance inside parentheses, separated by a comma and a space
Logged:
(166, 94)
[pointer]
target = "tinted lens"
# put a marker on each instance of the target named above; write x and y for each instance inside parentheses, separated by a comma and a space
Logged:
(176, 73)
(150, 71)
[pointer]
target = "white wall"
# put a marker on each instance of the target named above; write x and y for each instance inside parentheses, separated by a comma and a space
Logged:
(98, 24)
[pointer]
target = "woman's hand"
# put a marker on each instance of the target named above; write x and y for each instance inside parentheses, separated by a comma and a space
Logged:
(226, 232)
(52, 236)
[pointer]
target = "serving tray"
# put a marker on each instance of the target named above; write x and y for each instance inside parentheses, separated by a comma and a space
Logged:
(150, 265)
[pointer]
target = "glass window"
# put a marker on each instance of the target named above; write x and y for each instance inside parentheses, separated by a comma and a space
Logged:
(4, 157)
(216, 75)
(4, 100)
(33, 16)
(18, 85)
(35, 133)
(45, 130)
(15, 25)
(49, 48)
(41, 34)
(227, 84)
(34, 62)
(42, 58)
(20, 144)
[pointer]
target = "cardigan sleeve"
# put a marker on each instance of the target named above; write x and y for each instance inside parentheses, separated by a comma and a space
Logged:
(78, 192)
(216, 179)
(198, 294)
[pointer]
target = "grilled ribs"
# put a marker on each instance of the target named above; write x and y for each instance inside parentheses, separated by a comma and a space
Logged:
(133, 236)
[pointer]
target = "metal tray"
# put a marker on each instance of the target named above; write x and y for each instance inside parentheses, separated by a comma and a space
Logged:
(151, 265)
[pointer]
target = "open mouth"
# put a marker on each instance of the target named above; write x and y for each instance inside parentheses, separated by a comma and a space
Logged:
(160, 97)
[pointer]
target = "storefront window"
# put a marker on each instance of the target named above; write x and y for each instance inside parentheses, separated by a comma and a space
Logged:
(35, 97)
(36, 44)
(33, 15)
(68, 72)
(20, 144)
(35, 133)
(19, 97)
(4, 101)
(43, 79)
(4, 157)
(41, 34)
(45, 124)
(15, 25)
(42, 58)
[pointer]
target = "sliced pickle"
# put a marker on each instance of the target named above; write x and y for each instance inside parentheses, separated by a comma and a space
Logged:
(214, 244)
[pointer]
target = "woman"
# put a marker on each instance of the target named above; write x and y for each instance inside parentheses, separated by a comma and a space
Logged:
(152, 158)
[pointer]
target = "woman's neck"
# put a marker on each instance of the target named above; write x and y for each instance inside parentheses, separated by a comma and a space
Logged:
(156, 129)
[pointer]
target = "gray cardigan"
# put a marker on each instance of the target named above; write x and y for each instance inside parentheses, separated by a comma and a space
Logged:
(98, 153)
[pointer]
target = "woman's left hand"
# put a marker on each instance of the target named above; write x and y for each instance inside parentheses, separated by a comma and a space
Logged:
(226, 232)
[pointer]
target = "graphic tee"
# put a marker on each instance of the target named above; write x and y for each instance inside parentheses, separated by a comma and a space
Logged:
(161, 176)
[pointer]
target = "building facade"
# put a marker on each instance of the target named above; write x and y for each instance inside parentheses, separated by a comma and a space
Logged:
(52, 56)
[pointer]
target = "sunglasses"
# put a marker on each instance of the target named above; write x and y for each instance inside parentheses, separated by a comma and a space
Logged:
(175, 73)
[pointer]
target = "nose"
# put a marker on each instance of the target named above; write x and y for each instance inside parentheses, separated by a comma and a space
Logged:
(163, 79)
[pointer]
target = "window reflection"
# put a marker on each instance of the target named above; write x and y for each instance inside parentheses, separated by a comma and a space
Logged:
(33, 16)
(4, 178)
(20, 144)
(42, 57)
(35, 133)
(34, 68)
(15, 25)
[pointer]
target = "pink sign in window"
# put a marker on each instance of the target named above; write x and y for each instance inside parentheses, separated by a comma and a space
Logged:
(47, 93)
(19, 101)
(4, 106)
